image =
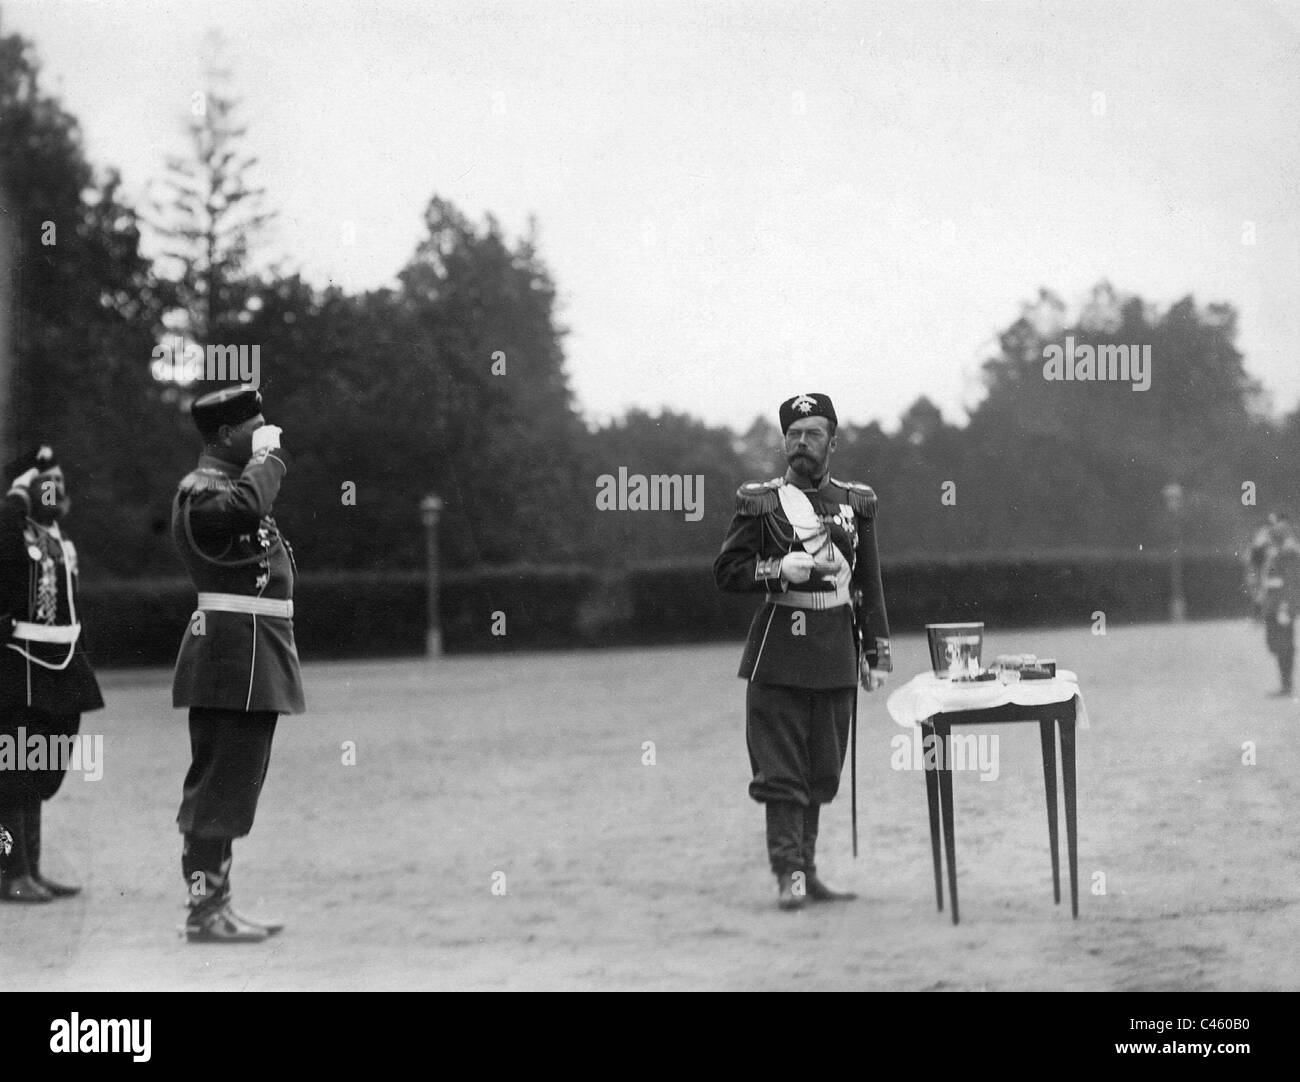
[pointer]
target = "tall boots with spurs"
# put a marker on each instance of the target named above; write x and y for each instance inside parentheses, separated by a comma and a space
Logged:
(205, 864)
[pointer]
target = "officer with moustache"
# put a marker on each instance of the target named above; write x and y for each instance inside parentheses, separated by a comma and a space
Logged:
(237, 670)
(807, 543)
(46, 682)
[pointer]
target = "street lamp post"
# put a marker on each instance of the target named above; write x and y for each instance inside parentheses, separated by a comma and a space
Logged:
(430, 510)
(1174, 504)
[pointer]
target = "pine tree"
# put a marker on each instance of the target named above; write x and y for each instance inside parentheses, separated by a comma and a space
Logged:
(210, 213)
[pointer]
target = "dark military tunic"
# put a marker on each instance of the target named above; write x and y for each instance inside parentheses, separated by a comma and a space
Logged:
(236, 660)
(824, 653)
(45, 686)
(38, 586)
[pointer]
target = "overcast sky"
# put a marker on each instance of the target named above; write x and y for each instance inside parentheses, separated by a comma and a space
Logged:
(743, 201)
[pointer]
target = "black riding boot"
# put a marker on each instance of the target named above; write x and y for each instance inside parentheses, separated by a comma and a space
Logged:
(205, 864)
(32, 821)
(16, 881)
(817, 890)
(785, 851)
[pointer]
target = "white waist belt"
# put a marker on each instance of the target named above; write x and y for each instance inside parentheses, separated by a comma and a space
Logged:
(812, 599)
(256, 606)
(64, 633)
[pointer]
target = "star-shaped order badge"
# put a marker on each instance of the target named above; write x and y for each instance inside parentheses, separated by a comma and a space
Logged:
(805, 404)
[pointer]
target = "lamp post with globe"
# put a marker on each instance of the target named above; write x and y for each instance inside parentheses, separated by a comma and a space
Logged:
(1174, 503)
(430, 510)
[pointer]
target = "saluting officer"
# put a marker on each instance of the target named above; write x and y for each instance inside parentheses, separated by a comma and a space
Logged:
(807, 543)
(46, 682)
(237, 670)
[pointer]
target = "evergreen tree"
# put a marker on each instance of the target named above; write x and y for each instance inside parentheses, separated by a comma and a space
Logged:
(210, 214)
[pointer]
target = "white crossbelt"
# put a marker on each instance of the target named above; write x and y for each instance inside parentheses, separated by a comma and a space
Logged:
(62, 633)
(810, 530)
(256, 606)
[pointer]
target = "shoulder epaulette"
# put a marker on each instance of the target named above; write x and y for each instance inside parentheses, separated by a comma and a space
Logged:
(758, 497)
(862, 498)
(206, 480)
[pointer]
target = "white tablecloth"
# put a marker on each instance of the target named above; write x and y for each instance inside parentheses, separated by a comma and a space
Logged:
(926, 695)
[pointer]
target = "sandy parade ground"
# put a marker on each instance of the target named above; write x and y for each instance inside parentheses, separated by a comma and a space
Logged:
(502, 828)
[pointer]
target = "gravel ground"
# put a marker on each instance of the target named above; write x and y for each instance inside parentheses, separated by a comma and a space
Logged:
(500, 830)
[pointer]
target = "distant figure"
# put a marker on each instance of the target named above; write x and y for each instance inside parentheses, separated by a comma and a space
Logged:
(1255, 558)
(1280, 597)
(807, 545)
(46, 682)
(237, 670)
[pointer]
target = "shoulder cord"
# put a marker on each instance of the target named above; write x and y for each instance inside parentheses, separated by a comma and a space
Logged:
(787, 540)
(218, 562)
(72, 614)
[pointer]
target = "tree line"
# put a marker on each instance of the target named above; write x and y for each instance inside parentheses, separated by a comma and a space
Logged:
(454, 382)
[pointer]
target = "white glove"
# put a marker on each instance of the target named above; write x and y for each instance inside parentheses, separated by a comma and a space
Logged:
(870, 679)
(796, 567)
(23, 481)
(266, 438)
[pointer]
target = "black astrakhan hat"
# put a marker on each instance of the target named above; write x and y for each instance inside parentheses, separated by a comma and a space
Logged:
(228, 406)
(806, 405)
(40, 457)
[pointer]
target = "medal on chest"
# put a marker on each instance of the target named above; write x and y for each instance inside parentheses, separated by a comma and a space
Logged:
(42, 549)
(847, 521)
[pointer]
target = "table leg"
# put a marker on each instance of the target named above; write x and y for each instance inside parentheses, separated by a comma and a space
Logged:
(932, 799)
(944, 730)
(1071, 821)
(1047, 732)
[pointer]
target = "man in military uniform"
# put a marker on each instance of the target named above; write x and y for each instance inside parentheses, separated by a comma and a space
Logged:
(1280, 597)
(46, 682)
(807, 543)
(237, 670)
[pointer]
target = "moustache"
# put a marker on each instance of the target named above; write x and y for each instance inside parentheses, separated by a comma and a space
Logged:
(54, 512)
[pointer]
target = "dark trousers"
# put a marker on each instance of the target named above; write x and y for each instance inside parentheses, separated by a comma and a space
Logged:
(32, 786)
(1281, 642)
(23, 791)
(797, 740)
(230, 751)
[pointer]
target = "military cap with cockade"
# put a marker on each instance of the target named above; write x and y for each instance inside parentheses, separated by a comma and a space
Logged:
(806, 405)
(228, 406)
(40, 457)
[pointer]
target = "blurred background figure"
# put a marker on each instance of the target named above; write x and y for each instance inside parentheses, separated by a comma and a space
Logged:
(1280, 589)
(1256, 555)
(46, 682)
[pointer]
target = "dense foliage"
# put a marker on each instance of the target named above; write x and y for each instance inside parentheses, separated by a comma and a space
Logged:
(454, 382)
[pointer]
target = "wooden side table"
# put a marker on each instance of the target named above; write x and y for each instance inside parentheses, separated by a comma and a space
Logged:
(938, 786)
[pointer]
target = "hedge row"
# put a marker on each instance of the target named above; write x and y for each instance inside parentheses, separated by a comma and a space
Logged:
(383, 614)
